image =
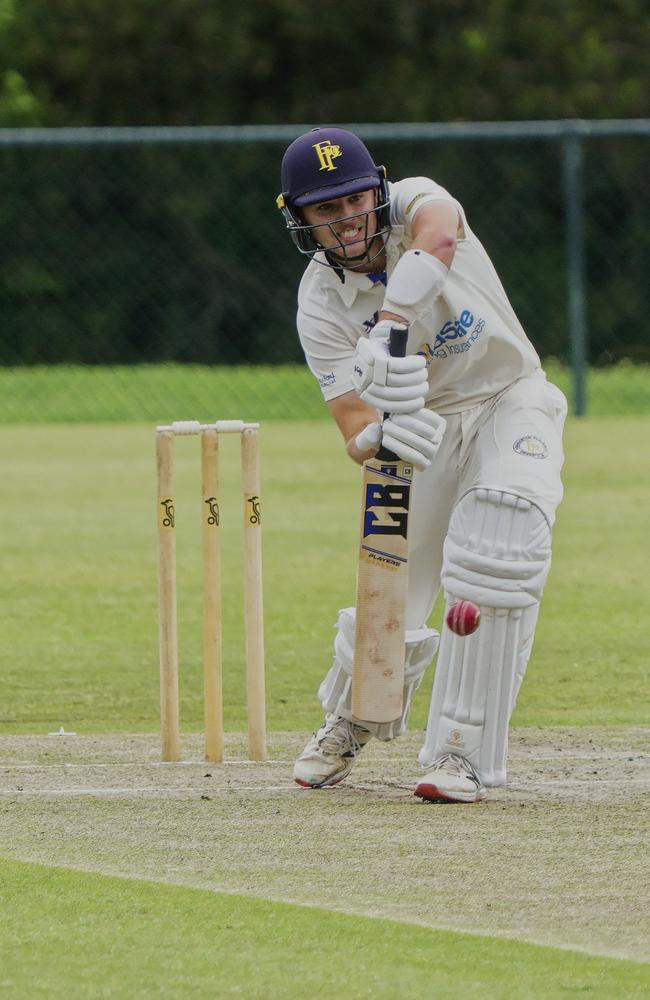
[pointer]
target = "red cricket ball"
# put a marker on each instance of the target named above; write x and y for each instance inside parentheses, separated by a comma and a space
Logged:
(463, 618)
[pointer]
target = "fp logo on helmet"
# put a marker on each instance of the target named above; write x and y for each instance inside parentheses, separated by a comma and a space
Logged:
(326, 152)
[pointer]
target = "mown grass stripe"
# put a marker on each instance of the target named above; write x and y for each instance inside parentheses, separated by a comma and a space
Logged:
(74, 934)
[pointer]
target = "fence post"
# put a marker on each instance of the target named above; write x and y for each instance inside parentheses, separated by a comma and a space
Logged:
(572, 158)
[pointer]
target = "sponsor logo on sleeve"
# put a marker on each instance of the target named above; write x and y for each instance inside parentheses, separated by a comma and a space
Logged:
(531, 446)
(328, 379)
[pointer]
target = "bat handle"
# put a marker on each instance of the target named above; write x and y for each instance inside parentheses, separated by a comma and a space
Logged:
(397, 341)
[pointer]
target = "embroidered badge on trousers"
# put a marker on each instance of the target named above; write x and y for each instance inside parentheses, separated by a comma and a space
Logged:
(531, 446)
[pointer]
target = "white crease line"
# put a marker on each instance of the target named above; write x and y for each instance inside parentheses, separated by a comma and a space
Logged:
(167, 791)
(6, 767)
(152, 790)
(628, 755)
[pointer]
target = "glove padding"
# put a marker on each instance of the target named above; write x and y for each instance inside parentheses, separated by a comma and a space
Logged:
(413, 437)
(395, 385)
(369, 438)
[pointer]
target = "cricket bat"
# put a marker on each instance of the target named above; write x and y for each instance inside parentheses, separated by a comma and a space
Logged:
(382, 580)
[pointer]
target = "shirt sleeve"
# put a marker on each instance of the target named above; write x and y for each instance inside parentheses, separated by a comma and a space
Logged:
(413, 192)
(329, 354)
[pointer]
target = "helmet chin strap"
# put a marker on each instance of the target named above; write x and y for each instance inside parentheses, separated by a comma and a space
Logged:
(339, 261)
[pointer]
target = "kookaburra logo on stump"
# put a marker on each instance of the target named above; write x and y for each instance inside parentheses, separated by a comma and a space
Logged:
(255, 515)
(213, 507)
(169, 514)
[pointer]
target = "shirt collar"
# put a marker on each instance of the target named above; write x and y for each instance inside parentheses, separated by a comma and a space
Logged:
(355, 282)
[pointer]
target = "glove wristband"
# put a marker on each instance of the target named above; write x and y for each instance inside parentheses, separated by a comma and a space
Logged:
(415, 284)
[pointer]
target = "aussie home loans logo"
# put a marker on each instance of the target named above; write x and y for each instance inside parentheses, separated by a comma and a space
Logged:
(457, 336)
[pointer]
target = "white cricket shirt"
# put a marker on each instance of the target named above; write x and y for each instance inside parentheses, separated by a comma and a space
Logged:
(473, 342)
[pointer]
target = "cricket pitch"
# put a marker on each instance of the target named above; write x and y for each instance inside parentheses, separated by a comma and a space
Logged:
(554, 858)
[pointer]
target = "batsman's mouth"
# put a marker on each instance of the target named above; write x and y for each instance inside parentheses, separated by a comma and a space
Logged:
(351, 235)
(353, 245)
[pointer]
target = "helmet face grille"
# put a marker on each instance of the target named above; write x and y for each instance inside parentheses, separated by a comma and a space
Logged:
(323, 165)
(304, 239)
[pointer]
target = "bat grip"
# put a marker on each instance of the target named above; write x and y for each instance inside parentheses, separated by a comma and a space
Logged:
(397, 348)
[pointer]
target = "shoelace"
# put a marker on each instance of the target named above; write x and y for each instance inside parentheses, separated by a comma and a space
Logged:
(340, 738)
(459, 765)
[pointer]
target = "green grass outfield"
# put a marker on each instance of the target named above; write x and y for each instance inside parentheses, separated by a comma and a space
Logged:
(78, 643)
(79, 632)
(160, 393)
(94, 936)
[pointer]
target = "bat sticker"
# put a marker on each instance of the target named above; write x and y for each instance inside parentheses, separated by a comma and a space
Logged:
(391, 501)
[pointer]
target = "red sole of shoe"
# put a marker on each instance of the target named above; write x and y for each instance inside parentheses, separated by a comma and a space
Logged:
(305, 784)
(430, 793)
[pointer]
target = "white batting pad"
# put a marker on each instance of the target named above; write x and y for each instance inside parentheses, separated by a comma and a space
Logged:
(497, 554)
(497, 550)
(335, 692)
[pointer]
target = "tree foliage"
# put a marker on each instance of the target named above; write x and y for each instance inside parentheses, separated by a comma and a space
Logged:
(135, 62)
(130, 253)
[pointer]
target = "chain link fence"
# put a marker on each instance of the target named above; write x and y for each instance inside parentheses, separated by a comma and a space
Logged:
(146, 273)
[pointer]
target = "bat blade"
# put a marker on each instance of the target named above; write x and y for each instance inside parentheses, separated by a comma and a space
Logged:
(382, 581)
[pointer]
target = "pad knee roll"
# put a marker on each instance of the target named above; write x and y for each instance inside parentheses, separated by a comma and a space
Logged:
(335, 692)
(498, 550)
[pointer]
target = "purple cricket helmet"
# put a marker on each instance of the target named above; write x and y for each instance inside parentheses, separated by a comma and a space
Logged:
(325, 164)
(322, 165)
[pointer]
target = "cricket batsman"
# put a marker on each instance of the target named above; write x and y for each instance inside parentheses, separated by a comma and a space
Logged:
(469, 407)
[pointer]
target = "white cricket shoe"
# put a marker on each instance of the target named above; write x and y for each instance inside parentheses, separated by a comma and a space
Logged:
(451, 779)
(330, 753)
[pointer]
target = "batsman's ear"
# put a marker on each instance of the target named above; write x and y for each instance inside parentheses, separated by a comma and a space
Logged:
(279, 201)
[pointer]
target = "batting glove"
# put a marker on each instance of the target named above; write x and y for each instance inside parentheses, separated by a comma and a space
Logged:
(369, 437)
(396, 385)
(413, 437)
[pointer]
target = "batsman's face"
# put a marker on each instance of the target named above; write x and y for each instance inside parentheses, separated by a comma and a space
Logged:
(344, 225)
